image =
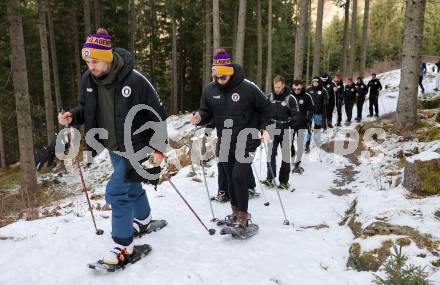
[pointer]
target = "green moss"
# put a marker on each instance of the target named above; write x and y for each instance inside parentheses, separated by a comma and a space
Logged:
(429, 172)
(430, 103)
(9, 178)
(437, 117)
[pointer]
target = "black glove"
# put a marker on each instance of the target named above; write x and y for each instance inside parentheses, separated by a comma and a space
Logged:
(46, 154)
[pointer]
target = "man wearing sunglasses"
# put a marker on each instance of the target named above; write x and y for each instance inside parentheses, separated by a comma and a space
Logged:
(235, 106)
(300, 125)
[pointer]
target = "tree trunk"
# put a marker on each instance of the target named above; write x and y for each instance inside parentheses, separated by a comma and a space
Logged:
(2, 148)
(259, 80)
(216, 24)
(97, 11)
(406, 113)
(353, 43)
(207, 77)
(175, 87)
(152, 38)
(132, 27)
(22, 105)
(239, 48)
(309, 41)
(53, 52)
(363, 63)
(343, 56)
(318, 38)
(45, 66)
(300, 39)
(87, 20)
(77, 56)
(268, 85)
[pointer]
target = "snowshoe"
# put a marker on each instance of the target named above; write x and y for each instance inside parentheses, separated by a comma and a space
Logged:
(253, 193)
(284, 186)
(221, 197)
(140, 229)
(268, 183)
(239, 232)
(124, 259)
(243, 230)
(297, 168)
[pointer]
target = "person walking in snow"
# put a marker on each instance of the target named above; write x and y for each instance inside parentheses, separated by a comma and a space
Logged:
(339, 97)
(422, 73)
(374, 87)
(222, 193)
(234, 103)
(320, 101)
(362, 91)
(350, 95)
(284, 109)
(109, 89)
(437, 78)
(330, 87)
(301, 122)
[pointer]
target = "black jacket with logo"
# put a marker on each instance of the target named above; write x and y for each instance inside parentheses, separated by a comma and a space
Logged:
(305, 103)
(362, 90)
(132, 88)
(284, 108)
(241, 101)
(329, 85)
(374, 86)
(320, 98)
(350, 93)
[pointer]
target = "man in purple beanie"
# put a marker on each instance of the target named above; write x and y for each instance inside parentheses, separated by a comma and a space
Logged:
(110, 89)
(240, 112)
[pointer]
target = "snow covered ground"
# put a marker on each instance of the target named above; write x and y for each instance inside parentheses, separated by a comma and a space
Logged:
(56, 250)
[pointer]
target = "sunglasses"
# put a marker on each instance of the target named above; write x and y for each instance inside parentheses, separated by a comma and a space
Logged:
(221, 78)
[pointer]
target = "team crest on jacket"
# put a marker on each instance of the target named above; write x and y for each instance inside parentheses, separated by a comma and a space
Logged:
(301, 101)
(126, 91)
(235, 97)
(319, 92)
(284, 104)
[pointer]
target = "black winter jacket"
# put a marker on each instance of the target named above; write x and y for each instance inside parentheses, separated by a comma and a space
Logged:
(241, 101)
(329, 85)
(350, 93)
(305, 114)
(320, 98)
(132, 88)
(362, 90)
(374, 86)
(284, 108)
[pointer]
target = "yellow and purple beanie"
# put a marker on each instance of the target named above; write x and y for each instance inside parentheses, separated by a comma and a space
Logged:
(221, 64)
(98, 46)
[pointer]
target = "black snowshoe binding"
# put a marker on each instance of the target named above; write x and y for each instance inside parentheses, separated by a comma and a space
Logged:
(297, 168)
(253, 193)
(221, 197)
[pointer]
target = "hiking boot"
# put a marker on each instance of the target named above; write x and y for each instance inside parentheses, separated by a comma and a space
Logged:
(283, 186)
(269, 183)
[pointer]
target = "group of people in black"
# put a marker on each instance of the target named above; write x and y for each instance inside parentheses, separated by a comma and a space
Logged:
(231, 103)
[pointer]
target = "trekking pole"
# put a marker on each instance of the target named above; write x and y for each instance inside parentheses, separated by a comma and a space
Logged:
(85, 190)
(210, 231)
(286, 221)
(214, 219)
(259, 184)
